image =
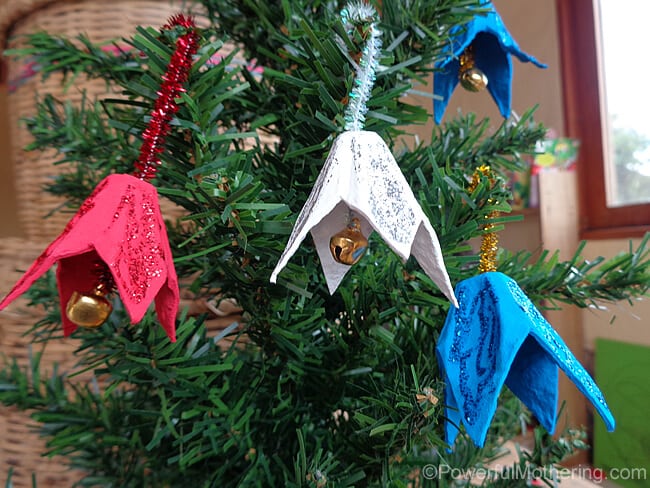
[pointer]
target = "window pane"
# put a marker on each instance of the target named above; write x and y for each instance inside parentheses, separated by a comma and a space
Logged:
(624, 25)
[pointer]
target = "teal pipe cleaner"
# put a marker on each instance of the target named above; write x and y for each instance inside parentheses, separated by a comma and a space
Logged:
(353, 15)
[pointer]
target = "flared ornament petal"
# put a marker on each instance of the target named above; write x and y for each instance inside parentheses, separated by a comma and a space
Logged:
(496, 63)
(327, 193)
(168, 298)
(136, 249)
(498, 337)
(69, 243)
(445, 81)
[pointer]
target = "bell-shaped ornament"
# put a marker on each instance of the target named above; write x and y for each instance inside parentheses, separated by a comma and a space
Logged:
(349, 245)
(89, 310)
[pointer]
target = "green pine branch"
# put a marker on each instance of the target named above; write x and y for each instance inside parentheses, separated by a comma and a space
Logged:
(79, 57)
(581, 282)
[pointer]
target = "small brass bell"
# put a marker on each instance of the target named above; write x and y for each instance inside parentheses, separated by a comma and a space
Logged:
(349, 245)
(473, 79)
(89, 309)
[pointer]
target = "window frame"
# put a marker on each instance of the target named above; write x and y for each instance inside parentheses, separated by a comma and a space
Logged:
(585, 119)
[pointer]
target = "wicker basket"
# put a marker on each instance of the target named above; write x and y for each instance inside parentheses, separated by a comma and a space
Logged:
(21, 456)
(16, 255)
(20, 445)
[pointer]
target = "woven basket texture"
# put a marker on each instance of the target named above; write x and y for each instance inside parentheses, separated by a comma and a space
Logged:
(21, 447)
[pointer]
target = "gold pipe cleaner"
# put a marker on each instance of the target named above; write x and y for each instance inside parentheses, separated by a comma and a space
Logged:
(490, 239)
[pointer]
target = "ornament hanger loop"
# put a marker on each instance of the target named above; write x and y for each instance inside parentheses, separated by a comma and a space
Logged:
(490, 239)
(165, 106)
(362, 17)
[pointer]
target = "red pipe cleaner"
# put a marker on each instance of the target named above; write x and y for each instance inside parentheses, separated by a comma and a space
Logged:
(165, 107)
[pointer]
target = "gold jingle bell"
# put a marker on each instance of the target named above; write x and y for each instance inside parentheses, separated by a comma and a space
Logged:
(89, 309)
(349, 245)
(473, 79)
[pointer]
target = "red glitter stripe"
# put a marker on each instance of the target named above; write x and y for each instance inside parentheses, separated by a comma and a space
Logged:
(165, 107)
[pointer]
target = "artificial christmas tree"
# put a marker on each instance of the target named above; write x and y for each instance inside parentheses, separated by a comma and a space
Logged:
(321, 385)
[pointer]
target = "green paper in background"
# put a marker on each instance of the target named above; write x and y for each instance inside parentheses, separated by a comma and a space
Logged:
(623, 374)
